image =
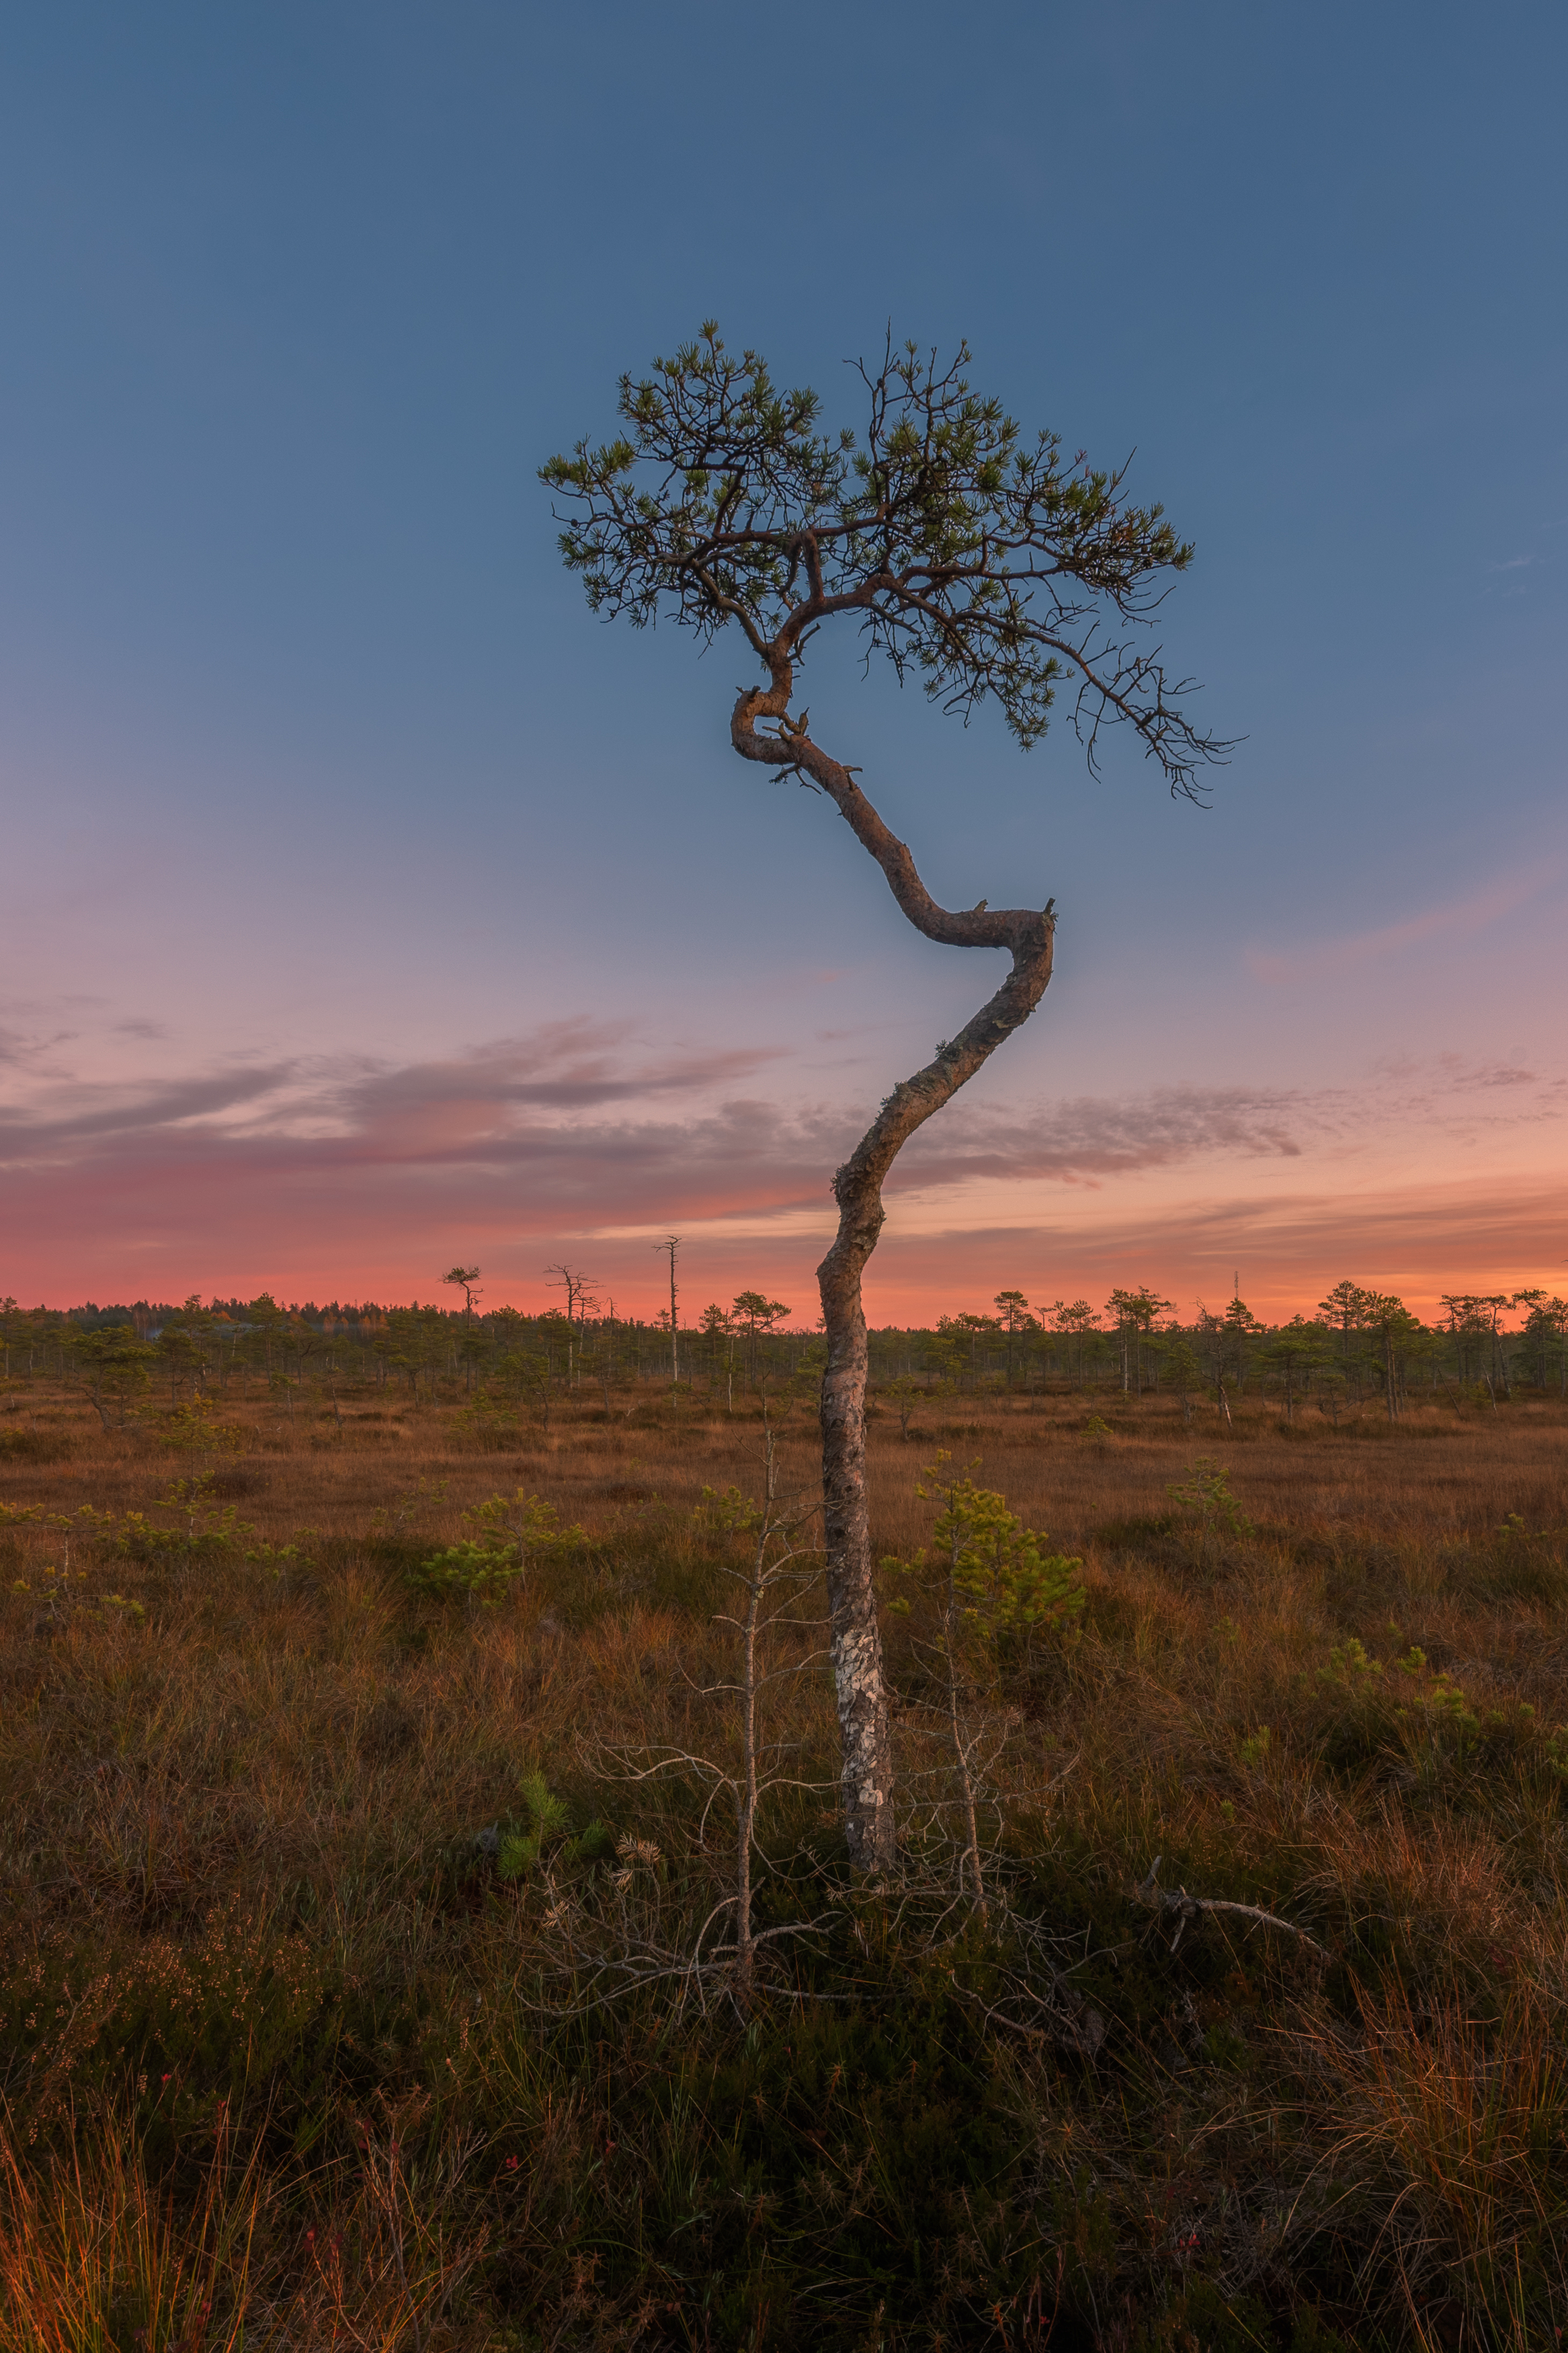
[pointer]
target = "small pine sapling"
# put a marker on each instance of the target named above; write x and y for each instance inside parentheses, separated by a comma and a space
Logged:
(394, 1523)
(1206, 1490)
(194, 1431)
(904, 1394)
(547, 1840)
(995, 1589)
(510, 1531)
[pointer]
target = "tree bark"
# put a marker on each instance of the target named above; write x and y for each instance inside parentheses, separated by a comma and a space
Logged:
(1027, 934)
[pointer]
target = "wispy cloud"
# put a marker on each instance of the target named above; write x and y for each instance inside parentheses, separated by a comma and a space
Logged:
(1088, 1139)
(71, 1113)
(1455, 918)
(23, 1050)
(585, 1130)
(564, 1127)
(1287, 1249)
(436, 1105)
(1094, 1136)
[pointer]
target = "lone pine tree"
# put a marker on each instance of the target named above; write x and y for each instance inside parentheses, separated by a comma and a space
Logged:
(981, 561)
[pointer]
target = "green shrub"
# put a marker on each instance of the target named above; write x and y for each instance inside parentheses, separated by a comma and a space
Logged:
(485, 1573)
(510, 1531)
(1405, 1714)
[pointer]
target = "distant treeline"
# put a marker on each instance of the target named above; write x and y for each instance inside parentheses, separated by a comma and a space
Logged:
(1357, 1344)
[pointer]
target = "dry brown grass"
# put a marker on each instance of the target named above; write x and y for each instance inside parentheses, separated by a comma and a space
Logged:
(239, 1800)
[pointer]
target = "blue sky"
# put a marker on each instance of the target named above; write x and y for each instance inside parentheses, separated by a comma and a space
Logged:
(369, 903)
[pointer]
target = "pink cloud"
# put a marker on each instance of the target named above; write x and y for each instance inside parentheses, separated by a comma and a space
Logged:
(1289, 1251)
(365, 1178)
(1458, 918)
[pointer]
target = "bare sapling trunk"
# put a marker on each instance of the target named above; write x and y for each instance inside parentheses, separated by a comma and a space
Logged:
(1027, 935)
(746, 1806)
(963, 1744)
(773, 1581)
(746, 1795)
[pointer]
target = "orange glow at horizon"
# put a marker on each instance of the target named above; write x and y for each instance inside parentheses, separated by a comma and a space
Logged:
(367, 1180)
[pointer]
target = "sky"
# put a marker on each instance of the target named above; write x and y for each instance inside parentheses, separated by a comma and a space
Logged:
(368, 904)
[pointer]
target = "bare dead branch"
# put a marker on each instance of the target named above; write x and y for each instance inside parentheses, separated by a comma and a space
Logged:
(1184, 1909)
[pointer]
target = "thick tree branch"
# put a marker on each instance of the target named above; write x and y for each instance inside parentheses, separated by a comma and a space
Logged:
(977, 927)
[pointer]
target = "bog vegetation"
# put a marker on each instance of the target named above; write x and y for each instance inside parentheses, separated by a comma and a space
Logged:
(425, 1918)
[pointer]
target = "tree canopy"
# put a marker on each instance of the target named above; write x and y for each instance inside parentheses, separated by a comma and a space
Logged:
(978, 558)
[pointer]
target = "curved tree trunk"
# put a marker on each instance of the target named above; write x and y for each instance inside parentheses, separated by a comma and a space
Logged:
(1027, 935)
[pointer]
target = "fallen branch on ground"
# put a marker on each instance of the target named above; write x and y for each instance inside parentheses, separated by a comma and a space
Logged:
(1183, 1908)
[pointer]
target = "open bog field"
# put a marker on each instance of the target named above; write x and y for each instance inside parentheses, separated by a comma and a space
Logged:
(363, 1968)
